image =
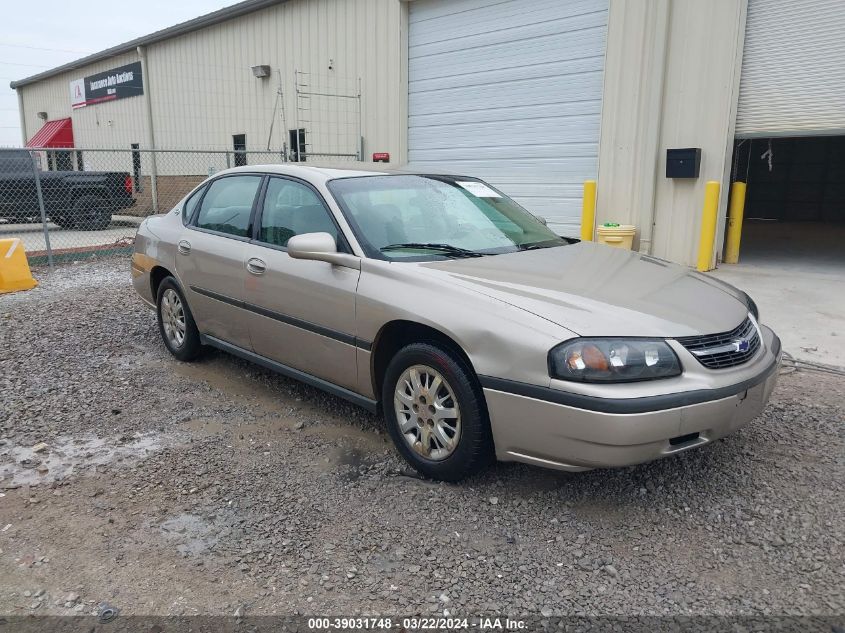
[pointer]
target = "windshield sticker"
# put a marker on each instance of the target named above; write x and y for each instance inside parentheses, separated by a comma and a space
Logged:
(478, 189)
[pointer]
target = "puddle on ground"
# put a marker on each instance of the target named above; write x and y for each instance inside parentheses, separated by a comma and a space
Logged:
(192, 534)
(64, 456)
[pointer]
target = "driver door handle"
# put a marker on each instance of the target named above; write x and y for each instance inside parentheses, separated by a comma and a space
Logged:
(256, 266)
(184, 247)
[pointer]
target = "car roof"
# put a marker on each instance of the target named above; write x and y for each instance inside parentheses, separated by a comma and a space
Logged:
(308, 172)
(316, 173)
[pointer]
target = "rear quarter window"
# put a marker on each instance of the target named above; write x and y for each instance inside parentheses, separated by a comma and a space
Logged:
(191, 205)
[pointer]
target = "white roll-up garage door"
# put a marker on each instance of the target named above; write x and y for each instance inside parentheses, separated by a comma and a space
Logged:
(509, 91)
(793, 68)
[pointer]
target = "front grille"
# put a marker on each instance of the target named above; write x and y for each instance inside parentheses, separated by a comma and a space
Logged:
(728, 349)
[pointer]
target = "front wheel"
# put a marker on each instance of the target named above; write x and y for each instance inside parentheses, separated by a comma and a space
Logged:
(435, 413)
(176, 323)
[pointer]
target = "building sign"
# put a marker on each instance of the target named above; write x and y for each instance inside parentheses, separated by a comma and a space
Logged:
(118, 83)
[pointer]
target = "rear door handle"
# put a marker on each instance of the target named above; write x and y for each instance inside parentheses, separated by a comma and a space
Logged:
(256, 266)
(184, 247)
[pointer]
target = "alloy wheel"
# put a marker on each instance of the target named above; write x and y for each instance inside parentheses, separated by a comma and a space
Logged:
(173, 318)
(427, 412)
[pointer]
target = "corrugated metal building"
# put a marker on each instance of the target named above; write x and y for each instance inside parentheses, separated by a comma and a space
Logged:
(535, 96)
(202, 92)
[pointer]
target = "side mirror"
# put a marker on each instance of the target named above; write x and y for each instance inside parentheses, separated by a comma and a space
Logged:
(320, 247)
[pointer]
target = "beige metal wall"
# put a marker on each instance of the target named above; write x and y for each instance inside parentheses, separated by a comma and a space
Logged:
(116, 124)
(671, 80)
(202, 90)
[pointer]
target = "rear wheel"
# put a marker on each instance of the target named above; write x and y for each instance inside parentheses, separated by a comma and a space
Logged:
(435, 413)
(88, 213)
(176, 323)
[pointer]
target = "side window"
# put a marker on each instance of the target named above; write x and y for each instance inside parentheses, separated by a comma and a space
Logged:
(228, 204)
(291, 208)
(191, 205)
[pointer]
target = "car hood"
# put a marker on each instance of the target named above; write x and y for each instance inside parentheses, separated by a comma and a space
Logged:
(596, 290)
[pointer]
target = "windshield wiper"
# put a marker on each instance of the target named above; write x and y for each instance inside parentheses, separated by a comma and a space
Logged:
(456, 251)
(544, 244)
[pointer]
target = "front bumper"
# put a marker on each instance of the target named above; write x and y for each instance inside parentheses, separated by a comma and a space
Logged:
(555, 435)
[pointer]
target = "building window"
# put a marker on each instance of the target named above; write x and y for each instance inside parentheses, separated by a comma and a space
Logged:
(297, 145)
(239, 145)
(136, 166)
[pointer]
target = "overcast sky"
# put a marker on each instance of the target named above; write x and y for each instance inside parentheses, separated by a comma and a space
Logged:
(37, 36)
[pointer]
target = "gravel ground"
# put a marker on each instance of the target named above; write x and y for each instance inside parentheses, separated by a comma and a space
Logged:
(176, 489)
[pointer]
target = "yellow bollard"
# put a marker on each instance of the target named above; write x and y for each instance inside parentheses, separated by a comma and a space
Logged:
(588, 211)
(735, 213)
(14, 269)
(708, 225)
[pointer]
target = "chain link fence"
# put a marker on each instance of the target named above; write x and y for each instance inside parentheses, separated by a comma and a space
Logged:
(69, 204)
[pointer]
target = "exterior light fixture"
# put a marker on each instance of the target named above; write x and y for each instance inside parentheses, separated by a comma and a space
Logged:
(262, 71)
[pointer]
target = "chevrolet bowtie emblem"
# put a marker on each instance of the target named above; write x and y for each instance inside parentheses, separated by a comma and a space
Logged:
(741, 345)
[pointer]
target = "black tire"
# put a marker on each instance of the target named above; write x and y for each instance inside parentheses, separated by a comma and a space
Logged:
(190, 347)
(88, 213)
(474, 450)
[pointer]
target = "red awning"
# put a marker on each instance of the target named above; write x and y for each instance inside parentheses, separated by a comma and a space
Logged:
(58, 133)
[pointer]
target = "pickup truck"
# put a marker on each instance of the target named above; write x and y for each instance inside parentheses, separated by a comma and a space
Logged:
(83, 200)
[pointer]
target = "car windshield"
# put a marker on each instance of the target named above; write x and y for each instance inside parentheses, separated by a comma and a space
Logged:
(412, 217)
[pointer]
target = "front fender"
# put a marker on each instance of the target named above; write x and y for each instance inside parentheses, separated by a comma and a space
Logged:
(499, 339)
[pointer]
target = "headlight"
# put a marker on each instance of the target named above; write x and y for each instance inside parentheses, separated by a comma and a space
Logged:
(613, 360)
